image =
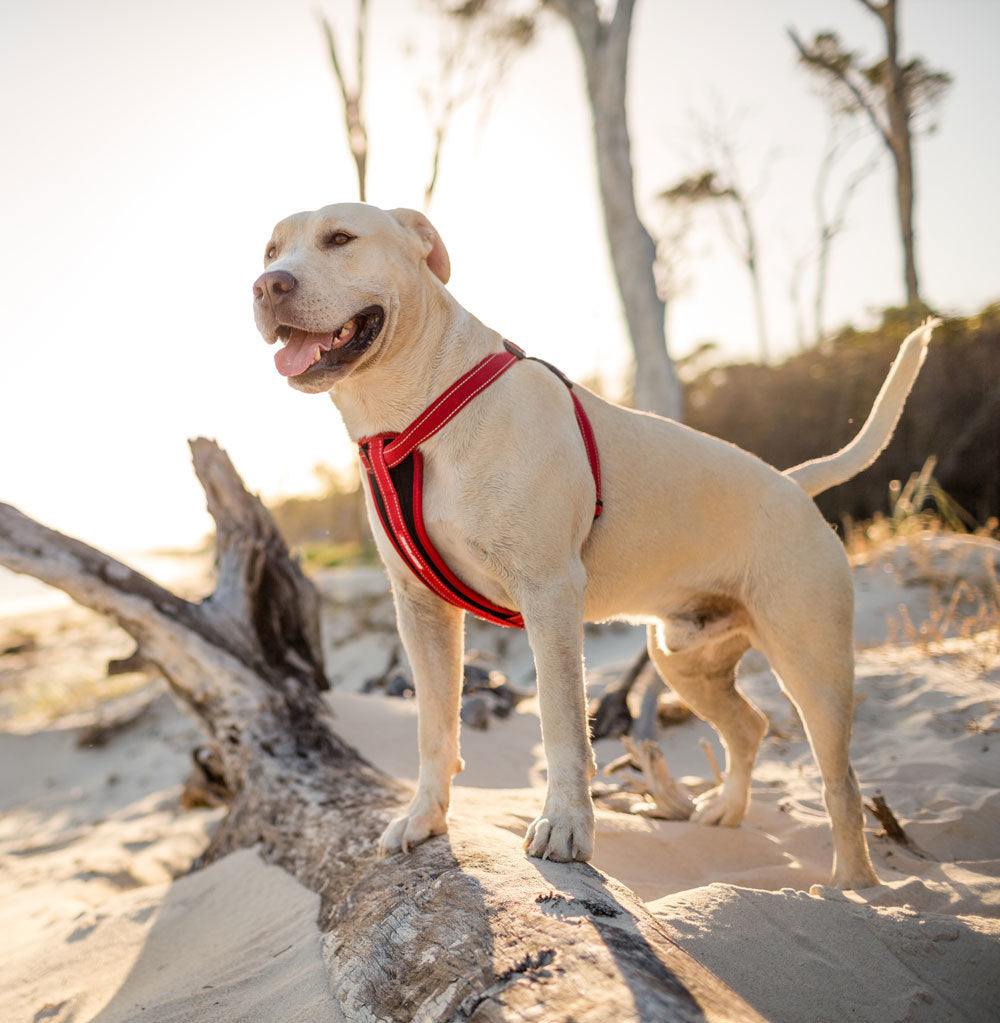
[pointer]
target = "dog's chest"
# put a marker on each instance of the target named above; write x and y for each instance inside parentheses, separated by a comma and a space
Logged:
(452, 513)
(468, 524)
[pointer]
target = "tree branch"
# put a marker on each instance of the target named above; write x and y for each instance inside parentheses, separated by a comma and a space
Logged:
(357, 134)
(817, 60)
(620, 27)
(584, 19)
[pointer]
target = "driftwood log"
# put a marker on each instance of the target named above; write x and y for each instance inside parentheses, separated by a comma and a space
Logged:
(466, 927)
(610, 717)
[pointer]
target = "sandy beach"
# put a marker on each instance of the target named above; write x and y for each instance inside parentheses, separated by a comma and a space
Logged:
(101, 918)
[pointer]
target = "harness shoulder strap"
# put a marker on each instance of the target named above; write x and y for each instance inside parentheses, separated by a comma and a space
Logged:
(448, 405)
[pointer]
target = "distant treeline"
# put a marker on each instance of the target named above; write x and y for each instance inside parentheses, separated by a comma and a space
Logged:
(814, 402)
(809, 405)
(328, 528)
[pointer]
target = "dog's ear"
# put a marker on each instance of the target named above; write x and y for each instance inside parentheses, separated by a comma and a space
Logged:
(434, 251)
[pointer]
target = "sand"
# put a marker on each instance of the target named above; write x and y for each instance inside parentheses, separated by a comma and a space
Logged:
(100, 919)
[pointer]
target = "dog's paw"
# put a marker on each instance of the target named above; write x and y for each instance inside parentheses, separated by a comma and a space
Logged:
(720, 806)
(562, 834)
(411, 829)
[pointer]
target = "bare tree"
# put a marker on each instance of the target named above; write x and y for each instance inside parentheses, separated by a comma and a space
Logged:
(718, 183)
(831, 219)
(473, 55)
(471, 59)
(602, 33)
(603, 42)
(352, 96)
(671, 271)
(892, 95)
(800, 264)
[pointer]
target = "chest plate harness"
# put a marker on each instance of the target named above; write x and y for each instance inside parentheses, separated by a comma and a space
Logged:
(394, 467)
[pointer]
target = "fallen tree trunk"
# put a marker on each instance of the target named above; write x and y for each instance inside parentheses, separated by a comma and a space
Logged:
(464, 928)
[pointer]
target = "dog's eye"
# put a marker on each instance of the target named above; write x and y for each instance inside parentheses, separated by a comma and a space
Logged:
(337, 238)
(272, 251)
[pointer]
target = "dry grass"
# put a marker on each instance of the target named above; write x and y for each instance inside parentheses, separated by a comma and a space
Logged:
(919, 506)
(967, 612)
(930, 541)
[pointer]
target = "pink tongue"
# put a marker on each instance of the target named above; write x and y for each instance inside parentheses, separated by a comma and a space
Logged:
(300, 351)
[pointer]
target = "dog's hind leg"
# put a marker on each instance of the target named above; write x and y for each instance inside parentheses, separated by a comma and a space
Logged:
(431, 631)
(553, 617)
(704, 677)
(816, 671)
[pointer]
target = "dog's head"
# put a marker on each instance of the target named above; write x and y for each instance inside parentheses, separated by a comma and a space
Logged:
(334, 283)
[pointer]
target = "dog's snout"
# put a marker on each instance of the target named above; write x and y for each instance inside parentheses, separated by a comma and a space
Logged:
(275, 284)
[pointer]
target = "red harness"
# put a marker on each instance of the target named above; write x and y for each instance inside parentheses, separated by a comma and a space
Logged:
(394, 468)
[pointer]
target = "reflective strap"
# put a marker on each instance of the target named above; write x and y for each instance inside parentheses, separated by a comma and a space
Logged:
(448, 405)
(587, 432)
(399, 509)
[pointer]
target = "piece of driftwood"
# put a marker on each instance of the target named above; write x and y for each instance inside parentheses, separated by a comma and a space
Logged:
(670, 801)
(713, 763)
(124, 665)
(880, 810)
(645, 725)
(466, 927)
(610, 716)
(891, 828)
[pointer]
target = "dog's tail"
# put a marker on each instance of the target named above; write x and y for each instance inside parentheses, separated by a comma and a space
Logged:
(823, 473)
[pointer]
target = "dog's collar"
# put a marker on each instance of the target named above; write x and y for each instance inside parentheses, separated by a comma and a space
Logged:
(394, 469)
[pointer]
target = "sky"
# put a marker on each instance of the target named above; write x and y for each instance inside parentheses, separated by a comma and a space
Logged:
(150, 146)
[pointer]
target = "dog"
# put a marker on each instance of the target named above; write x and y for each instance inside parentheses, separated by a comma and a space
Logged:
(708, 546)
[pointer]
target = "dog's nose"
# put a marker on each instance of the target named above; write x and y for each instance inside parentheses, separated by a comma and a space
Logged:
(275, 284)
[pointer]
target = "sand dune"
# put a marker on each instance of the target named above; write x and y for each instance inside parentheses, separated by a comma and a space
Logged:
(98, 920)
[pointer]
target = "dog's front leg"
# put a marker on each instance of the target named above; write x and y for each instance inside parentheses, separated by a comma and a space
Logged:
(431, 631)
(553, 618)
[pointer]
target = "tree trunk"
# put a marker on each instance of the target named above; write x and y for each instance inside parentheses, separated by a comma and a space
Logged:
(604, 49)
(753, 269)
(901, 148)
(353, 98)
(905, 199)
(892, 124)
(466, 926)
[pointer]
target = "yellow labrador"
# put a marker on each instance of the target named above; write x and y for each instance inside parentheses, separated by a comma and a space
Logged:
(711, 548)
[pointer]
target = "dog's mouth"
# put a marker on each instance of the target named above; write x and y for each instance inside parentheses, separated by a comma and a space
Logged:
(304, 351)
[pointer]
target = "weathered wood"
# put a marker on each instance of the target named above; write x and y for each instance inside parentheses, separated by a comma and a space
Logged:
(466, 927)
(891, 828)
(644, 784)
(671, 802)
(610, 717)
